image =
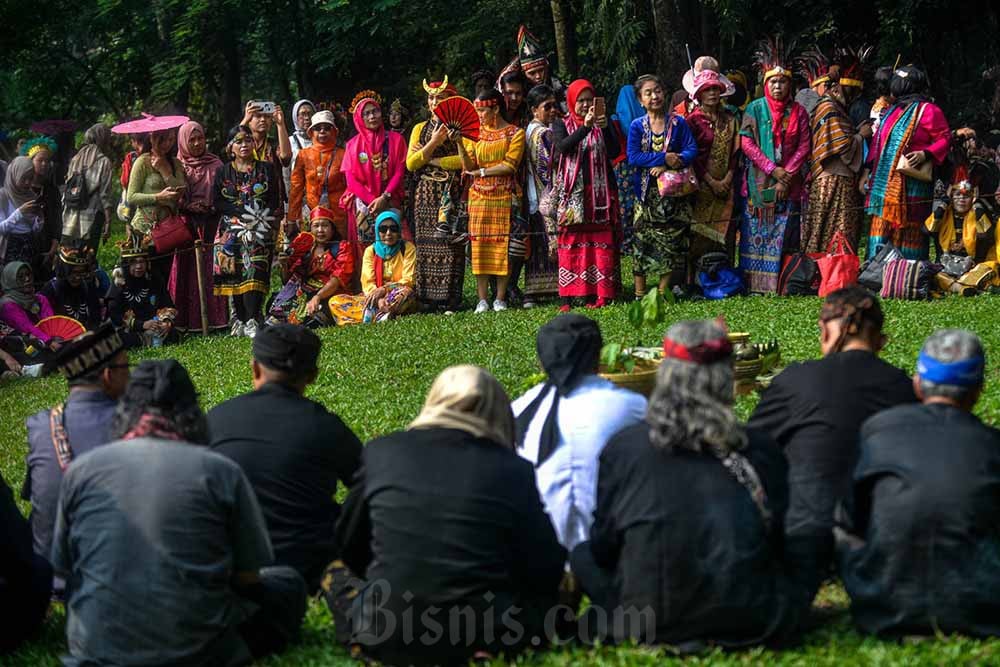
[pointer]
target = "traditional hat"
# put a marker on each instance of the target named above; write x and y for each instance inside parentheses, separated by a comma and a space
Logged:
(772, 57)
(530, 53)
(437, 88)
(149, 123)
(708, 78)
(323, 213)
(87, 353)
(73, 256)
(701, 64)
(397, 107)
(287, 347)
(365, 95)
(32, 146)
(852, 65)
(815, 67)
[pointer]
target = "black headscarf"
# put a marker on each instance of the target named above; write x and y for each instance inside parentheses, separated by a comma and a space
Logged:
(569, 348)
(909, 84)
(287, 347)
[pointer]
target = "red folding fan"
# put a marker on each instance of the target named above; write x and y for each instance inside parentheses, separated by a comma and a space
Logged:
(60, 326)
(459, 114)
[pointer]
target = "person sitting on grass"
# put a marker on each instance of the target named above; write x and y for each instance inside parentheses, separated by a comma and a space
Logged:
(444, 520)
(74, 291)
(139, 304)
(387, 274)
(95, 365)
(318, 266)
(291, 449)
(689, 521)
(814, 410)
(163, 545)
(965, 231)
(21, 309)
(920, 555)
(564, 423)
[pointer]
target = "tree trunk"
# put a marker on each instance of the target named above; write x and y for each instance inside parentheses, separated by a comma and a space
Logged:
(232, 102)
(671, 58)
(565, 30)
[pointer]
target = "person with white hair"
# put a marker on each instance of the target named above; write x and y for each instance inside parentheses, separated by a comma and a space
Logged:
(922, 553)
(689, 520)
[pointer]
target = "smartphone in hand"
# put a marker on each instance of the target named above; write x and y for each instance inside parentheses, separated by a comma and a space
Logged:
(600, 109)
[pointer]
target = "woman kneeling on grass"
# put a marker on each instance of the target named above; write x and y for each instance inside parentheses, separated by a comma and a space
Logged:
(386, 277)
(321, 265)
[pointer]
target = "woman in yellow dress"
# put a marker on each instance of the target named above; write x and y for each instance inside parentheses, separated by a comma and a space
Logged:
(492, 163)
(387, 275)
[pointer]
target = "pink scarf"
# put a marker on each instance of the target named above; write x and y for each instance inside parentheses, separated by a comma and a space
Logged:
(200, 170)
(367, 146)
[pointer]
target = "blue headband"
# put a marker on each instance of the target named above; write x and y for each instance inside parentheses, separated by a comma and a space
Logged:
(965, 373)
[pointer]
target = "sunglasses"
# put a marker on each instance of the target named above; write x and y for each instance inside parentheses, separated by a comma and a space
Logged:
(385, 229)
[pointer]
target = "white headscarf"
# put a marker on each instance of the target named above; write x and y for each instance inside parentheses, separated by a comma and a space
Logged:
(469, 399)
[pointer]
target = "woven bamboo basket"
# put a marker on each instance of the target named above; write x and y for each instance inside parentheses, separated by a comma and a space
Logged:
(641, 380)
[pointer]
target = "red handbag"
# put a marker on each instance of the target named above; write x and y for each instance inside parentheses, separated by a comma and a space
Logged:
(172, 233)
(839, 266)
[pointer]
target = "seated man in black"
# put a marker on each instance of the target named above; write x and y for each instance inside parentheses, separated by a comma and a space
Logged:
(446, 525)
(162, 544)
(814, 410)
(291, 449)
(922, 555)
(686, 546)
(25, 577)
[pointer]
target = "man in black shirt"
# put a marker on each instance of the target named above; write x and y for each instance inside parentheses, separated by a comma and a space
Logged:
(291, 449)
(814, 410)
(924, 557)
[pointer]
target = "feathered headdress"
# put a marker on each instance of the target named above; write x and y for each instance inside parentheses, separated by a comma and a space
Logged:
(815, 67)
(852, 65)
(365, 95)
(32, 146)
(773, 57)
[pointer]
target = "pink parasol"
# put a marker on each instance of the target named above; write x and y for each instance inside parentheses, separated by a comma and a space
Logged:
(53, 126)
(149, 123)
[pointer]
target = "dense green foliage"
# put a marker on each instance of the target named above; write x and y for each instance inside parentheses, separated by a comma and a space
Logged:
(63, 59)
(376, 376)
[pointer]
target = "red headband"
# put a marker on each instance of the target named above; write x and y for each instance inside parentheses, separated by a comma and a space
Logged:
(704, 353)
(480, 104)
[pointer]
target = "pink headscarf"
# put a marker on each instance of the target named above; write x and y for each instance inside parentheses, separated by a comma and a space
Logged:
(369, 143)
(200, 171)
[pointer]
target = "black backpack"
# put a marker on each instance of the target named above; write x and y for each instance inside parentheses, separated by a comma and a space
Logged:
(75, 196)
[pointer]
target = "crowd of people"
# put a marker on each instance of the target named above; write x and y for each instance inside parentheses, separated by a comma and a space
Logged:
(365, 219)
(173, 536)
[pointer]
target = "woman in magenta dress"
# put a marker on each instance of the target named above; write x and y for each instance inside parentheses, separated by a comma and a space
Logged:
(200, 167)
(375, 167)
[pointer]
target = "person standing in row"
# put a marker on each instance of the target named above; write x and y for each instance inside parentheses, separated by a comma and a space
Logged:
(775, 139)
(433, 160)
(248, 199)
(541, 273)
(659, 141)
(589, 234)
(89, 217)
(317, 179)
(198, 202)
(492, 163)
(302, 113)
(374, 165)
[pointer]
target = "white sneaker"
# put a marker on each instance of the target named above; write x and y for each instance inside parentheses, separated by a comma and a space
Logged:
(250, 329)
(528, 304)
(499, 305)
(482, 307)
(235, 327)
(32, 370)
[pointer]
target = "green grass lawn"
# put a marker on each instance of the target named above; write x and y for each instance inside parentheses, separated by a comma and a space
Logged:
(376, 377)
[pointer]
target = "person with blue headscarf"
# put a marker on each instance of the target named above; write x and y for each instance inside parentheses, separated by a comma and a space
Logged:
(626, 110)
(387, 272)
(921, 551)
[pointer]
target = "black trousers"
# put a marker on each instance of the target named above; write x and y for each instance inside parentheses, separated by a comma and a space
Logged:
(24, 603)
(282, 598)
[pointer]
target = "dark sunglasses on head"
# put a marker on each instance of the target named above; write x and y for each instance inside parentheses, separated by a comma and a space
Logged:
(385, 229)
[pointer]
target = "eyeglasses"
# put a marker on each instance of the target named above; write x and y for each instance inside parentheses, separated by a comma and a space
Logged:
(371, 113)
(385, 229)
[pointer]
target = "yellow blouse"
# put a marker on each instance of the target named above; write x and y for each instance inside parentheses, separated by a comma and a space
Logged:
(971, 227)
(416, 158)
(398, 269)
(494, 147)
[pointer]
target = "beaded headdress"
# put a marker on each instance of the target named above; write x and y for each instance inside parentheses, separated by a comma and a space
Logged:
(365, 94)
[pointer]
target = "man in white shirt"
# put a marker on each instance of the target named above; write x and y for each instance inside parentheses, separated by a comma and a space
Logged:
(564, 423)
